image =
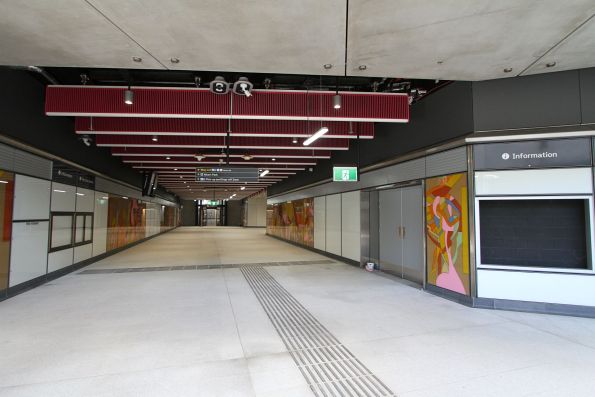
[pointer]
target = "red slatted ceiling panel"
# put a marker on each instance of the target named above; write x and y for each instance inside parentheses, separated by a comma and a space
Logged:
(178, 140)
(73, 100)
(316, 104)
(120, 151)
(84, 125)
(164, 140)
(200, 103)
(176, 160)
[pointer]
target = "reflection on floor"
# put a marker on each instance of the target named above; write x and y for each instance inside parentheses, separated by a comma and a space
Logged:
(205, 333)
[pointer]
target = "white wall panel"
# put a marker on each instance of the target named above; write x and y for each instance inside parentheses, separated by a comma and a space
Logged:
(320, 223)
(59, 259)
(85, 200)
(350, 225)
(256, 211)
(550, 181)
(83, 252)
(100, 223)
(333, 224)
(31, 198)
(28, 252)
(63, 197)
(571, 289)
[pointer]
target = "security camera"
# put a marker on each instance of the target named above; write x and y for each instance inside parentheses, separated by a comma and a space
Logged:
(219, 86)
(243, 87)
(87, 140)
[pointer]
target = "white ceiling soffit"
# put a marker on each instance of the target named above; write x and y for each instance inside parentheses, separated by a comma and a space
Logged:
(64, 33)
(468, 39)
(278, 36)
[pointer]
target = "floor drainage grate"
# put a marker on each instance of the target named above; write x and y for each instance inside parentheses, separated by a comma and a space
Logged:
(202, 267)
(329, 367)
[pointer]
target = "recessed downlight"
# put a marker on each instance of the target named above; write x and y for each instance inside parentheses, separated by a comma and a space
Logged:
(154, 138)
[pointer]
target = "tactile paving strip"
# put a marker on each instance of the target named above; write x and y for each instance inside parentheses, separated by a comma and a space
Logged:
(202, 267)
(329, 367)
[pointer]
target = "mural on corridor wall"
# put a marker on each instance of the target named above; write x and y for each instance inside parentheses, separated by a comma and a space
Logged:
(447, 232)
(293, 221)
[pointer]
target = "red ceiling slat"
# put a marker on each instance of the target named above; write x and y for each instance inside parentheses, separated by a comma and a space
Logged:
(218, 142)
(181, 152)
(201, 103)
(218, 127)
(152, 102)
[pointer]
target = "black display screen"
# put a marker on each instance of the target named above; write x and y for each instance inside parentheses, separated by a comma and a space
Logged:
(550, 233)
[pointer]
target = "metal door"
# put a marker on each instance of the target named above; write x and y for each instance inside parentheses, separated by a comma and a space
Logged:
(412, 233)
(391, 244)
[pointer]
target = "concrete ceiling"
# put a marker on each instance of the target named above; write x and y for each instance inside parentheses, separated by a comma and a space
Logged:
(431, 39)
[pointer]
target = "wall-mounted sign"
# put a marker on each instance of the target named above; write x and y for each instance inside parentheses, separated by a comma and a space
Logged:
(68, 175)
(550, 153)
(227, 174)
(345, 174)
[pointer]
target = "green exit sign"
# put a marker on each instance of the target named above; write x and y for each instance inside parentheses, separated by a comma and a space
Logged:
(344, 174)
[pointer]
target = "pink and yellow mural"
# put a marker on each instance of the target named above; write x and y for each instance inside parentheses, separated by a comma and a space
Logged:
(447, 232)
(293, 221)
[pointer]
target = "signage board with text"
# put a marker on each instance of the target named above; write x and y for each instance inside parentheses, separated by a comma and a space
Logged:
(551, 153)
(226, 174)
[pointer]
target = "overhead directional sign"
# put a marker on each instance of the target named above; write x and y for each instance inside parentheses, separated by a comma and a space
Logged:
(344, 174)
(227, 174)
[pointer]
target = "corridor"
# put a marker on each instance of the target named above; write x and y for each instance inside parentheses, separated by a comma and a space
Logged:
(232, 312)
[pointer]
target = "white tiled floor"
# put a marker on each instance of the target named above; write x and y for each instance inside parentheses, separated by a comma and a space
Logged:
(203, 333)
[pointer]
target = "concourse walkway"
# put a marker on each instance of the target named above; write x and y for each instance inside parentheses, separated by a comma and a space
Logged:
(232, 312)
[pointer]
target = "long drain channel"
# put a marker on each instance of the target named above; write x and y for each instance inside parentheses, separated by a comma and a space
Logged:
(329, 367)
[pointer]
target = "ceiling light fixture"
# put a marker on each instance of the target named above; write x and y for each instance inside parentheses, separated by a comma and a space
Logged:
(128, 97)
(263, 173)
(550, 64)
(294, 140)
(337, 101)
(199, 157)
(247, 157)
(175, 169)
(154, 138)
(274, 159)
(507, 70)
(243, 188)
(316, 135)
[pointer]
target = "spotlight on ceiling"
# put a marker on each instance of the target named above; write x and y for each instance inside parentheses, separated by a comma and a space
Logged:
(274, 159)
(154, 138)
(294, 140)
(263, 173)
(247, 157)
(199, 157)
(175, 169)
(168, 158)
(316, 135)
(337, 101)
(128, 97)
(243, 188)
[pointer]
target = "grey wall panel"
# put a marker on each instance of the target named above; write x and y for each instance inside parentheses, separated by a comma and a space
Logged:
(29, 164)
(407, 171)
(108, 186)
(6, 158)
(541, 100)
(587, 83)
(188, 214)
(234, 213)
(447, 162)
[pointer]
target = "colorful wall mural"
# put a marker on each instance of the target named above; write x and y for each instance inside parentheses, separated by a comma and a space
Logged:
(127, 221)
(293, 221)
(447, 232)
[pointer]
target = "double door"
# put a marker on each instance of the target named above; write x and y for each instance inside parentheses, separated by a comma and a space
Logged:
(401, 232)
